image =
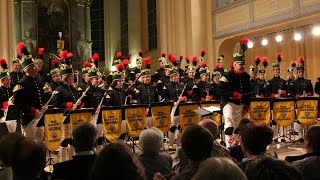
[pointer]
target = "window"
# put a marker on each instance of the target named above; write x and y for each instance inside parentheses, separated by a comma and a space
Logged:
(97, 27)
(124, 26)
(152, 24)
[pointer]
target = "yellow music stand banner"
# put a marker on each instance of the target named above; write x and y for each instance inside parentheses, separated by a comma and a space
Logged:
(283, 112)
(187, 116)
(53, 130)
(80, 117)
(260, 111)
(135, 120)
(161, 118)
(111, 123)
(215, 116)
(307, 111)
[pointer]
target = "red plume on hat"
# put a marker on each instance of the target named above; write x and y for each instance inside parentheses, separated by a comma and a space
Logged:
(187, 59)
(293, 63)
(3, 64)
(301, 59)
(163, 54)
(265, 61)
(203, 65)
(119, 54)
(279, 57)
(173, 60)
(257, 60)
(203, 52)
(195, 60)
(125, 63)
(140, 52)
(54, 63)
(244, 44)
(169, 56)
(86, 64)
(147, 62)
(63, 55)
(19, 55)
(41, 52)
(222, 55)
(217, 67)
(21, 47)
(120, 67)
(95, 59)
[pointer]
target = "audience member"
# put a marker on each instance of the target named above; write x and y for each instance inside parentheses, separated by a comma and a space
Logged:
(151, 141)
(7, 144)
(29, 159)
(219, 168)
(116, 161)
(270, 168)
(235, 148)
(197, 145)
(309, 165)
(180, 160)
(254, 141)
(84, 136)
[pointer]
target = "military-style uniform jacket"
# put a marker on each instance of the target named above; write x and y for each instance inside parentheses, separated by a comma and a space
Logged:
(317, 86)
(190, 84)
(232, 84)
(42, 75)
(158, 75)
(290, 88)
(172, 91)
(301, 86)
(161, 83)
(146, 94)
(274, 85)
(28, 97)
(67, 95)
(216, 92)
(116, 97)
(181, 75)
(15, 78)
(93, 98)
(257, 86)
(5, 94)
(203, 89)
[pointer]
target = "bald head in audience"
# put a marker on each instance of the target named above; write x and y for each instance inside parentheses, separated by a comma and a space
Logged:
(211, 126)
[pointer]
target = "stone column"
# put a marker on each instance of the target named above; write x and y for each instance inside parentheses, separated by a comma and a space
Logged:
(7, 36)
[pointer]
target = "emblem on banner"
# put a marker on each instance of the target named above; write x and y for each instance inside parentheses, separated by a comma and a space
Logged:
(259, 115)
(136, 125)
(283, 115)
(307, 114)
(189, 119)
(54, 134)
(161, 121)
(112, 128)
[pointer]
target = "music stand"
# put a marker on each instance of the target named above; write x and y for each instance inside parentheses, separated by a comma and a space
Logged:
(106, 140)
(50, 161)
(133, 145)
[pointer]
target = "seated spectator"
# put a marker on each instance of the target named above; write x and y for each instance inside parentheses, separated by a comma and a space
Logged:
(196, 143)
(235, 148)
(219, 168)
(269, 168)
(29, 159)
(84, 136)
(254, 141)
(180, 160)
(151, 141)
(116, 161)
(309, 166)
(7, 144)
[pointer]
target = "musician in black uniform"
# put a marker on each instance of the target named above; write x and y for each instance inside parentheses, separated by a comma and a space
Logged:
(94, 97)
(204, 90)
(291, 78)
(302, 88)
(219, 67)
(235, 86)
(146, 93)
(164, 80)
(16, 74)
(317, 91)
(135, 72)
(42, 74)
(276, 88)
(181, 71)
(255, 84)
(55, 80)
(190, 81)
(262, 72)
(161, 71)
(5, 91)
(29, 97)
(66, 98)
(171, 92)
(85, 77)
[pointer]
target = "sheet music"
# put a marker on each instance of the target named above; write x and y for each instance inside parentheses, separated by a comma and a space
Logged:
(212, 108)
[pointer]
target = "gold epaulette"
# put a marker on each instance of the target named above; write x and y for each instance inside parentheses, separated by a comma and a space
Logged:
(17, 88)
(107, 96)
(224, 79)
(47, 88)
(159, 81)
(79, 89)
(194, 87)
(110, 88)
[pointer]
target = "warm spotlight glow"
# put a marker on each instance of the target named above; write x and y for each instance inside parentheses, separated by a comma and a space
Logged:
(316, 31)
(264, 42)
(279, 38)
(250, 44)
(297, 37)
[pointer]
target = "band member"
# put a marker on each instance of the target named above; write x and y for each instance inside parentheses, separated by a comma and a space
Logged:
(302, 88)
(42, 74)
(146, 93)
(291, 78)
(135, 72)
(16, 74)
(181, 71)
(28, 97)
(5, 91)
(161, 71)
(215, 85)
(317, 91)
(85, 76)
(190, 81)
(276, 88)
(66, 98)
(204, 88)
(235, 86)
(171, 92)
(164, 80)
(200, 59)
(93, 100)
(219, 66)
(256, 85)
(262, 71)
